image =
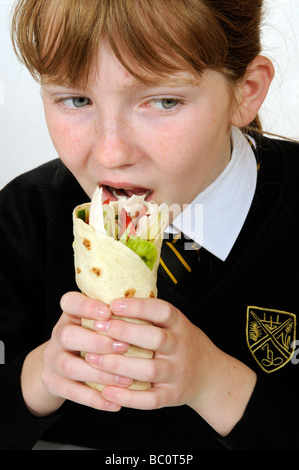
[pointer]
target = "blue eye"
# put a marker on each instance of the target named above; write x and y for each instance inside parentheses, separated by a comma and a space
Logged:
(76, 102)
(169, 103)
(166, 103)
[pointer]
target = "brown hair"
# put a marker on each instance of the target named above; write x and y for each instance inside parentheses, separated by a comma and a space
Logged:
(59, 39)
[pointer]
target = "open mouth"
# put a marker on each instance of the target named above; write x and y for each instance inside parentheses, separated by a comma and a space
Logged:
(128, 192)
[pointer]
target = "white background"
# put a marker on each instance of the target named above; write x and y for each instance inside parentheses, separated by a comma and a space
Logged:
(24, 138)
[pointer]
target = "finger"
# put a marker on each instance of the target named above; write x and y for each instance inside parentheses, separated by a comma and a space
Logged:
(76, 338)
(76, 368)
(154, 398)
(144, 370)
(157, 311)
(144, 336)
(75, 303)
(84, 395)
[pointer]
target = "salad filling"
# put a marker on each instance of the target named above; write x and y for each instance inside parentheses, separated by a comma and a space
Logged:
(132, 221)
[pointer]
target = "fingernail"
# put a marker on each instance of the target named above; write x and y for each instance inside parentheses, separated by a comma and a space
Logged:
(118, 346)
(112, 406)
(120, 380)
(101, 325)
(102, 311)
(93, 358)
(118, 305)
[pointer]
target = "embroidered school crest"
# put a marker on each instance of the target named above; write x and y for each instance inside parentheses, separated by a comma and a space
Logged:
(270, 336)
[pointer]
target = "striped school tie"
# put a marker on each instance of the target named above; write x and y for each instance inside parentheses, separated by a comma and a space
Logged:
(179, 256)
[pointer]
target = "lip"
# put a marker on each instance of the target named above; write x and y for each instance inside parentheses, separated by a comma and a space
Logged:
(118, 185)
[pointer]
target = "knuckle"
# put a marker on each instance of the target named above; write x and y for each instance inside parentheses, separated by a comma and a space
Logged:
(62, 334)
(168, 312)
(66, 367)
(161, 339)
(46, 380)
(153, 371)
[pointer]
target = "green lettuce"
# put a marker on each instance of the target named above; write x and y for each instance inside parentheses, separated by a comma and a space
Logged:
(143, 248)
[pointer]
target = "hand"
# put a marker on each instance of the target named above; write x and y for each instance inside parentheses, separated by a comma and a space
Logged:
(177, 377)
(187, 367)
(55, 371)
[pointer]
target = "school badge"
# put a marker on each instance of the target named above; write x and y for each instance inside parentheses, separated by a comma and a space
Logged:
(270, 336)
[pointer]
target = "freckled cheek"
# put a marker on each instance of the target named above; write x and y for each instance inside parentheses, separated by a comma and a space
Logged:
(70, 142)
(174, 148)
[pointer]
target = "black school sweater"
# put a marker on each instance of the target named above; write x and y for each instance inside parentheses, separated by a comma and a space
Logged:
(247, 305)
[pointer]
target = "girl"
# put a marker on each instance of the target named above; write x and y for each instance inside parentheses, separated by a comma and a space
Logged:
(162, 99)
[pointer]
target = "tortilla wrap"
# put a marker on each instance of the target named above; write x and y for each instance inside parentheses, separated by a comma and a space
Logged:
(106, 269)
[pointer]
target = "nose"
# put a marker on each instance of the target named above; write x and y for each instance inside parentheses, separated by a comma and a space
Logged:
(115, 145)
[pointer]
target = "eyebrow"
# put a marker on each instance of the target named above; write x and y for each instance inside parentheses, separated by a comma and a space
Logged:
(134, 84)
(64, 85)
(170, 81)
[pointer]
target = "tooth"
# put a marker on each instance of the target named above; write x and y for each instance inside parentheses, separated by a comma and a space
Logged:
(122, 192)
(119, 195)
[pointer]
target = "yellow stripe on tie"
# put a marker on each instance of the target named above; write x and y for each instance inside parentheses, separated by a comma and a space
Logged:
(176, 238)
(168, 272)
(186, 265)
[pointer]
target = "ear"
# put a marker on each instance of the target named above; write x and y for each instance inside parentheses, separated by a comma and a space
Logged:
(252, 91)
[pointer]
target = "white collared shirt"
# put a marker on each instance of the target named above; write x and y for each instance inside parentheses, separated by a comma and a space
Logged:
(216, 216)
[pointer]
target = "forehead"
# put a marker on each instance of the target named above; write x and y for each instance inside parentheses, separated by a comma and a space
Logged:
(107, 68)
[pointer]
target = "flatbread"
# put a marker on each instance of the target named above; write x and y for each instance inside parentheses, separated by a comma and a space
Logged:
(106, 269)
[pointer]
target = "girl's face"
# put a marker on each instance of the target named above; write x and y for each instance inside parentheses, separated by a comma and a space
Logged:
(169, 141)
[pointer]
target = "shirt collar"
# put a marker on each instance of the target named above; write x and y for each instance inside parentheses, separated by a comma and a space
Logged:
(215, 218)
